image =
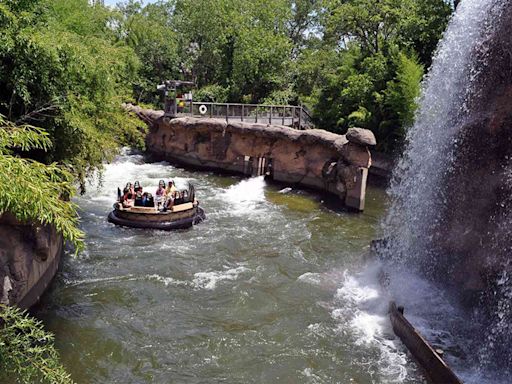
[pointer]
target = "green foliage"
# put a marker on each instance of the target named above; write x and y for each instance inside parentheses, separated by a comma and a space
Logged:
(34, 191)
(27, 350)
(403, 91)
(281, 97)
(373, 80)
(212, 93)
(61, 71)
(149, 32)
(334, 56)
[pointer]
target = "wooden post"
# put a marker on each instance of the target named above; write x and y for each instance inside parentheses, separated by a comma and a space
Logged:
(293, 117)
(242, 117)
(211, 110)
(300, 117)
(270, 118)
(256, 114)
(284, 113)
(227, 113)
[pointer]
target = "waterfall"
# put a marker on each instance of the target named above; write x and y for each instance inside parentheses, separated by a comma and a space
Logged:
(451, 191)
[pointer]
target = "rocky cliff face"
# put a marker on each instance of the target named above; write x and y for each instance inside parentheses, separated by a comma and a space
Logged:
(312, 158)
(479, 184)
(29, 258)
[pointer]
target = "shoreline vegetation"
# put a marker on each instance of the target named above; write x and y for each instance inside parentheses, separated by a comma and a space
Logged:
(66, 67)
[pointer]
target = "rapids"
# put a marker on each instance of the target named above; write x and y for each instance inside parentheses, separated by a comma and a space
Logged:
(271, 288)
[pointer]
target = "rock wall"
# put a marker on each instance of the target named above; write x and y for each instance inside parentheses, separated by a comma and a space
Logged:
(29, 259)
(476, 227)
(313, 158)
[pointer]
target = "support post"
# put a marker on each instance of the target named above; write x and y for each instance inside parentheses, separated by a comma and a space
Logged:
(270, 118)
(355, 197)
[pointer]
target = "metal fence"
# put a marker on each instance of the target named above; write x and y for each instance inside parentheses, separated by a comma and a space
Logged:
(288, 115)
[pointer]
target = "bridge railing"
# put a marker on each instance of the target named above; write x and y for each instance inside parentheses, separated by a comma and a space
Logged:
(289, 115)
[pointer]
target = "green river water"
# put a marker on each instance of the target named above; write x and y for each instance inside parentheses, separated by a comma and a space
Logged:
(271, 288)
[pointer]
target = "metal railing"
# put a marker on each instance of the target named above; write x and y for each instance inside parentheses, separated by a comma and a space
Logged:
(289, 115)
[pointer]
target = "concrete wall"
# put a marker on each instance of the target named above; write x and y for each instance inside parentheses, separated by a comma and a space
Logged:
(29, 259)
(312, 158)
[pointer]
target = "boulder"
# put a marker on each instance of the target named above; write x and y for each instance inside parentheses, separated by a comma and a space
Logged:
(361, 136)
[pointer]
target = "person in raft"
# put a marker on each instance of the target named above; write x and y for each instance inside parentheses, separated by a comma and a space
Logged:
(128, 195)
(160, 193)
(171, 188)
(169, 203)
(137, 187)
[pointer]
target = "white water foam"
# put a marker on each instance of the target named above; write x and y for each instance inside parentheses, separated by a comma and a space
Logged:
(363, 306)
(169, 281)
(209, 280)
(246, 196)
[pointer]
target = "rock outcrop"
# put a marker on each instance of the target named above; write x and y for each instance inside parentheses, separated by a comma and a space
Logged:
(313, 158)
(29, 259)
(361, 136)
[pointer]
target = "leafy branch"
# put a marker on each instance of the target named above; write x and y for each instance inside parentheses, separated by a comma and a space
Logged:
(34, 191)
(27, 350)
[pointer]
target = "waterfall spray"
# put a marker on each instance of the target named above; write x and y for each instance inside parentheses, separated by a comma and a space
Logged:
(450, 216)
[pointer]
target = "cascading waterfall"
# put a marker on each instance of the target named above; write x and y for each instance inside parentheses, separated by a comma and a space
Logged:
(450, 217)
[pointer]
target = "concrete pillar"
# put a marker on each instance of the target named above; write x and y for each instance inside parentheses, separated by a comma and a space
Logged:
(355, 197)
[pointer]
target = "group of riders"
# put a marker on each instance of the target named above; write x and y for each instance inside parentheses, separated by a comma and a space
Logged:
(165, 196)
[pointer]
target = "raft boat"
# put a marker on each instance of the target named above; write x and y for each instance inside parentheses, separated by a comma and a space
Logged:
(180, 216)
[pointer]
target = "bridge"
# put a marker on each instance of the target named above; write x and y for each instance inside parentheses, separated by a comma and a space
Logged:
(289, 115)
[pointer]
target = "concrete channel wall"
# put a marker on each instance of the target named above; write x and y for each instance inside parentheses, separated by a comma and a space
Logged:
(312, 158)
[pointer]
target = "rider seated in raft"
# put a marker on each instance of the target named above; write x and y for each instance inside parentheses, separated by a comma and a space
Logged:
(160, 193)
(128, 196)
(170, 189)
(176, 198)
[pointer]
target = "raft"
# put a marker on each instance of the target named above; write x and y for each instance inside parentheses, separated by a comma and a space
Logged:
(181, 216)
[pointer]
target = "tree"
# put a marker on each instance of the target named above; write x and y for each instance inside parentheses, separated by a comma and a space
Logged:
(149, 31)
(67, 78)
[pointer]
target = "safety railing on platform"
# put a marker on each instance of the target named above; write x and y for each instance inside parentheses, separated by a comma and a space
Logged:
(288, 115)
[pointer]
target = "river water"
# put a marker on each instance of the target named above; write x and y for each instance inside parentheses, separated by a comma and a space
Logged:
(272, 288)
